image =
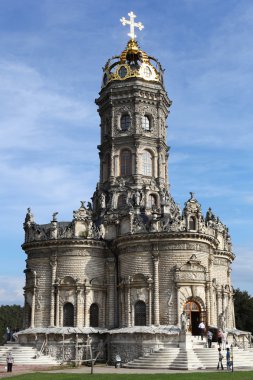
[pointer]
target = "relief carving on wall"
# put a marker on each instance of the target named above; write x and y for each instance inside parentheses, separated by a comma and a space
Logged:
(192, 271)
(218, 261)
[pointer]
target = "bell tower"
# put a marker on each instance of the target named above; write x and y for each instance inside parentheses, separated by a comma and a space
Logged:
(133, 106)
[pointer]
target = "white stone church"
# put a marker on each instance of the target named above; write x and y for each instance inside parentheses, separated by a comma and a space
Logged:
(127, 265)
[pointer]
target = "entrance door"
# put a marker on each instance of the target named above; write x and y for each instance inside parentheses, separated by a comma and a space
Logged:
(193, 312)
(195, 321)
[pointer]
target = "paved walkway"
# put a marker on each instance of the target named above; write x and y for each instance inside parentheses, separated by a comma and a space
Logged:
(18, 370)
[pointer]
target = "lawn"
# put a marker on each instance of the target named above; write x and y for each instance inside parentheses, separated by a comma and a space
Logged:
(174, 376)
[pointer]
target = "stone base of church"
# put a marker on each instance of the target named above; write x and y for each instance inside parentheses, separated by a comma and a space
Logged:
(70, 344)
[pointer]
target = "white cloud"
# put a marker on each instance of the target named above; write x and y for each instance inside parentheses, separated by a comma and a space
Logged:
(242, 269)
(11, 290)
(34, 112)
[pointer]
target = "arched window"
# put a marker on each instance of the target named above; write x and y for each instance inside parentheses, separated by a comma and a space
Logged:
(151, 201)
(125, 162)
(192, 223)
(140, 313)
(121, 200)
(145, 123)
(125, 122)
(94, 315)
(68, 314)
(147, 164)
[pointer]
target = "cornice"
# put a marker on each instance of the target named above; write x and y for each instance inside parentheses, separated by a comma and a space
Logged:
(169, 236)
(64, 243)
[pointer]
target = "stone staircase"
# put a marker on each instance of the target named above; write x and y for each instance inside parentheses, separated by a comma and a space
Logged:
(171, 357)
(196, 357)
(24, 355)
(209, 356)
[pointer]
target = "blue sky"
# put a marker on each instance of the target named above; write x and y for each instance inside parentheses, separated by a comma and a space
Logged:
(51, 55)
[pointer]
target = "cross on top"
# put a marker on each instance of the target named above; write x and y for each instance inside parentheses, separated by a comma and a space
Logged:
(132, 24)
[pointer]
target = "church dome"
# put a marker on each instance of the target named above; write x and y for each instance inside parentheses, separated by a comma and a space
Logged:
(132, 62)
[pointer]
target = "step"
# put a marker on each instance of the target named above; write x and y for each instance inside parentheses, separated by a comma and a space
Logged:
(25, 355)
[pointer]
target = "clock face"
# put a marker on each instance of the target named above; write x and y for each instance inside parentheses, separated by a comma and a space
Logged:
(122, 72)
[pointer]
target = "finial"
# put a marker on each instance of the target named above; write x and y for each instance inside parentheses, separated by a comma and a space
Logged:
(132, 24)
(83, 204)
(192, 195)
(54, 217)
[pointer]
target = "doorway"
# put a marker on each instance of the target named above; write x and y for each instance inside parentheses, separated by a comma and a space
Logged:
(193, 313)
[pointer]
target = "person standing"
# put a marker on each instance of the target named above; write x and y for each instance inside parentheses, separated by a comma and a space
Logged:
(220, 337)
(9, 361)
(209, 338)
(228, 359)
(202, 329)
(220, 364)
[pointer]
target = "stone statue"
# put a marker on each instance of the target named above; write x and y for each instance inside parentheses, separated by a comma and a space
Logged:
(137, 198)
(29, 217)
(82, 204)
(183, 321)
(89, 206)
(102, 231)
(102, 201)
(222, 321)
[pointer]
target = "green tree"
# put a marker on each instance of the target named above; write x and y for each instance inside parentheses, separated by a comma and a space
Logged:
(11, 316)
(243, 310)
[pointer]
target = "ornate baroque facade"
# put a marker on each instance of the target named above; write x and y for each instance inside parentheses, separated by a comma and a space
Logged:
(130, 257)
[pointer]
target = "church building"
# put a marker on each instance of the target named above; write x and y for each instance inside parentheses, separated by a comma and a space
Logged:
(130, 262)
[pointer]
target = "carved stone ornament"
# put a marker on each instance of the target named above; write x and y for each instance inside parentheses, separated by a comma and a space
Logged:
(192, 271)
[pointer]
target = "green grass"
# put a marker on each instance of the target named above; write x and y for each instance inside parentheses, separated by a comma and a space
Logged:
(242, 375)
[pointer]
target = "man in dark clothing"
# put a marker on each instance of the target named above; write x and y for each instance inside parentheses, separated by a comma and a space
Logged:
(209, 338)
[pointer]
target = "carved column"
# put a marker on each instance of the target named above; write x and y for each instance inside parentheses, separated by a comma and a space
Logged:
(78, 314)
(178, 305)
(219, 304)
(150, 301)
(33, 308)
(115, 173)
(222, 299)
(128, 309)
(208, 305)
(86, 311)
(57, 306)
(137, 160)
(211, 320)
(114, 166)
(166, 164)
(111, 310)
(156, 284)
(53, 263)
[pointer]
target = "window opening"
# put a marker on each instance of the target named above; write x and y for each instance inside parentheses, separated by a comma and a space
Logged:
(125, 122)
(145, 123)
(147, 163)
(94, 314)
(140, 313)
(68, 314)
(192, 223)
(125, 163)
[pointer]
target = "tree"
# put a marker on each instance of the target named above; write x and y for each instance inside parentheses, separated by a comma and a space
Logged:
(243, 310)
(11, 316)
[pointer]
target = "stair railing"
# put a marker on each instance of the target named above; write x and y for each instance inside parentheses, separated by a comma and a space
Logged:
(42, 349)
(238, 344)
